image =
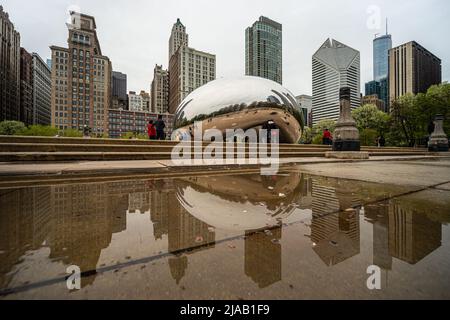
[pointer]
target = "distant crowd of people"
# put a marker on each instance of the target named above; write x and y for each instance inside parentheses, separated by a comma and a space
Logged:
(327, 139)
(155, 130)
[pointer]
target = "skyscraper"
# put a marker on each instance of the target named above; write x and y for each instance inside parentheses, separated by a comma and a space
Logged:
(26, 87)
(9, 69)
(412, 69)
(81, 79)
(264, 50)
(119, 91)
(160, 90)
(381, 47)
(335, 65)
(189, 69)
(119, 85)
(178, 38)
(42, 92)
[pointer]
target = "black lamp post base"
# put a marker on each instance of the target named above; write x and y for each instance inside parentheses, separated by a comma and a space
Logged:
(441, 147)
(346, 145)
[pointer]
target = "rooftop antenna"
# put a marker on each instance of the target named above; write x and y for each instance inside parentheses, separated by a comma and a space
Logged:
(387, 26)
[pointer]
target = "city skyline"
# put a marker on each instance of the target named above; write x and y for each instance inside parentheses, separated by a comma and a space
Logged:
(138, 58)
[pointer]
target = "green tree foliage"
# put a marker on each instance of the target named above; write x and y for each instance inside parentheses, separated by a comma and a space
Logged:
(319, 128)
(71, 133)
(370, 117)
(11, 128)
(39, 131)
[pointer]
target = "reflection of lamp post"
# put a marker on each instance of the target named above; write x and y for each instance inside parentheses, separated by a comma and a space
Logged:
(438, 139)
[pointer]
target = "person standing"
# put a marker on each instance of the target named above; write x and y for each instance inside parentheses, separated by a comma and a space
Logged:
(160, 126)
(151, 130)
(327, 138)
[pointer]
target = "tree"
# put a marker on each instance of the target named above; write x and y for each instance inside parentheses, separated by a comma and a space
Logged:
(319, 128)
(408, 119)
(370, 117)
(11, 128)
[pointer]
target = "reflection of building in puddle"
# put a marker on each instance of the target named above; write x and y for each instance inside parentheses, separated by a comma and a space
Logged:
(139, 202)
(263, 257)
(412, 235)
(335, 227)
(402, 231)
(24, 225)
(378, 215)
(186, 235)
(75, 221)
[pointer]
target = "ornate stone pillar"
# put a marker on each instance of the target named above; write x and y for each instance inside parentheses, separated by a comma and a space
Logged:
(346, 135)
(438, 139)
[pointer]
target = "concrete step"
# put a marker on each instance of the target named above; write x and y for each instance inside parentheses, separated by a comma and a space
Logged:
(102, 156)
(41, 147)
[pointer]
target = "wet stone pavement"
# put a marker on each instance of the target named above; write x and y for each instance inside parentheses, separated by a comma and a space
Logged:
(290, 236)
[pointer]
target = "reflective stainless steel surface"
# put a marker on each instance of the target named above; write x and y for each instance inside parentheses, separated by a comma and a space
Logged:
(245, 102)
(240, 203)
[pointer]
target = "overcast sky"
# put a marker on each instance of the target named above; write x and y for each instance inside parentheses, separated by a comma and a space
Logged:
(134, 34)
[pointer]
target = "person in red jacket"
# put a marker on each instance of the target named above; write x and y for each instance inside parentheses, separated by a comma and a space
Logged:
(151, 130)
(327, 138)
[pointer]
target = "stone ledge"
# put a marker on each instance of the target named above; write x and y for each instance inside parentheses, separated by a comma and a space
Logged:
(359, 155)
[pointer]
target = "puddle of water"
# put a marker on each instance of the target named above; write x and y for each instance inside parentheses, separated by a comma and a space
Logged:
(290, 236)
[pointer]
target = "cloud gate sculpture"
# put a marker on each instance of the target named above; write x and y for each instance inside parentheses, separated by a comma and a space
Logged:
(241, 103)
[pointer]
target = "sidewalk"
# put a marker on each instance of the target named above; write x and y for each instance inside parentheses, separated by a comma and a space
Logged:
(18, 174)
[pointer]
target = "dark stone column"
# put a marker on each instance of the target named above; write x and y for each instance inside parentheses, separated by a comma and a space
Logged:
(346, 135)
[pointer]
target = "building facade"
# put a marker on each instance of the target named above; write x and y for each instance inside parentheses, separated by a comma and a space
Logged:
(381, 47)
(139, 102)
(160, 90)
(189, 69)
(119, 85)
(178, 38)
(9, 69)
(122, 122)
(373, 99)
(379, 89)
(335, 65)
(26, 87)
(305, 103)
(81, 79)
(264, 50)
(42, 92)
(412, 69)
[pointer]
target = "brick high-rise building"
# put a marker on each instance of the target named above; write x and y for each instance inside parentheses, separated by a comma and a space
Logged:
(189, 69)
(81, 79)
(412, 69)
(26, 87)
(9, 69)
(160, 90)
(178, 38)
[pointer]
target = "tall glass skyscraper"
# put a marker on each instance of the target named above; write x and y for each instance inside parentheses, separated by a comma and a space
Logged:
(264, 50)
(380, 84)
(381, 47)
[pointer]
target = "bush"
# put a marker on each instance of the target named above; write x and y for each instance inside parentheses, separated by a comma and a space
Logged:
(368, 137)
(318, 139)
(71, 133)
(39, 131)
(11, 128)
